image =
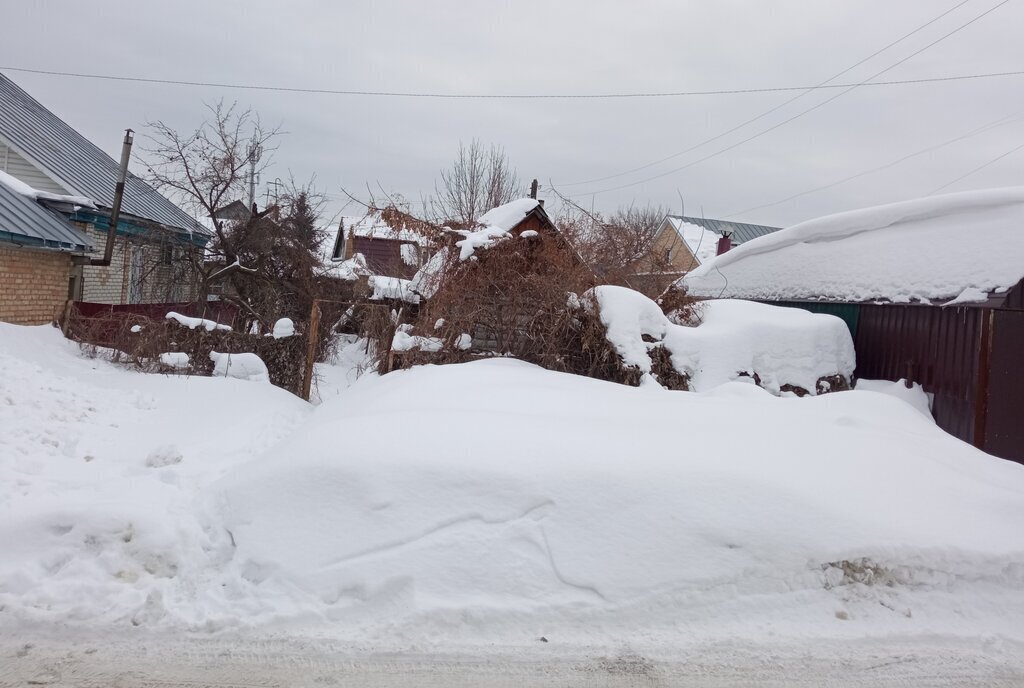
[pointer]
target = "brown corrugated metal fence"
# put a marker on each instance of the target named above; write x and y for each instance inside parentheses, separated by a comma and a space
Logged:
(937, 347)
(1004, 429)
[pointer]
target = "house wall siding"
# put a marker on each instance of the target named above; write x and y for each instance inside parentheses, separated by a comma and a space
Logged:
(138, 272)
(681, 259)
(18, 167)
(35, 285)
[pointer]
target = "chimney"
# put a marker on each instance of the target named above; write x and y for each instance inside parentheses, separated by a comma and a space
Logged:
(533, 189)
(724, 243)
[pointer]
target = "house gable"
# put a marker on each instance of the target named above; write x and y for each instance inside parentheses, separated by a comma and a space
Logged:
(18, 166)
(76, 164)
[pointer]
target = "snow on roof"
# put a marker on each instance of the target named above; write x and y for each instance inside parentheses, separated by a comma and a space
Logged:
(392, 288)
(928, 249)
(701, 241)
(78, 163)
(18, 186)
(741, 232)
(25, 221)
(509, 215)
(351, 269)
(427, 279)
(375, 225)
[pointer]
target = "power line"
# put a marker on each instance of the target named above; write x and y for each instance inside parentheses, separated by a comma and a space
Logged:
(991, 125)
(979, 168)
(517, 96)
(797, 115)
(777, 107)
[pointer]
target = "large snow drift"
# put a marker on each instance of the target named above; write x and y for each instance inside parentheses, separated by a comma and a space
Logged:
(491, 502)
(780, 346)
(931, 249)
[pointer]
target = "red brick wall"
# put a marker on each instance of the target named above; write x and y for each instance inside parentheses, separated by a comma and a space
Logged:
(33, 285)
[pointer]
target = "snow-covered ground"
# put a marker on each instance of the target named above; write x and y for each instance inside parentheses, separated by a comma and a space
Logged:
(491, 504)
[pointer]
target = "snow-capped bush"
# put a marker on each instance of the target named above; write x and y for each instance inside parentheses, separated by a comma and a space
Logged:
(781, 349)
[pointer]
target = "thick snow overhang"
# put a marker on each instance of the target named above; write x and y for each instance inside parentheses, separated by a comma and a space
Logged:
(958, 248)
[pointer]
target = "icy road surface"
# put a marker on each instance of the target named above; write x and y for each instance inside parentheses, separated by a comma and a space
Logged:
(161, 661)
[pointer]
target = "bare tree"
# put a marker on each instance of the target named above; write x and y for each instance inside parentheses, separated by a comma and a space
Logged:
(479, 179)
(206, 170)
(621, 248)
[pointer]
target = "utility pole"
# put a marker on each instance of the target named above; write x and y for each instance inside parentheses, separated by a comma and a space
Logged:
(533, 189)
(255, 151)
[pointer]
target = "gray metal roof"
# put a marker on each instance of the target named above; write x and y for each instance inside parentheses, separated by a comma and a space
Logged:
(741, 231)
(24, 221)
(76, 163)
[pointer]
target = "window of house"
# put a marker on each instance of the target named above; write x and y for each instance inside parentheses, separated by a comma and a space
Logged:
(668, 255)
(339, 246)
(166, 254)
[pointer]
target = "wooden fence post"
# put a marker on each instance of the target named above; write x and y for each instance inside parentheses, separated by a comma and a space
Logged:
(65, 325)
(314, 332)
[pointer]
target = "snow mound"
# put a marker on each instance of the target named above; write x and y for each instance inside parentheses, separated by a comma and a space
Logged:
(780, 346)
(392, 288)
(491, 502)
(193, 323)
(403, 341)
(716, 512)
(175, 359)
(245, 366)
(284, 327)
(103, 485)
(929, 249)
(913, 395)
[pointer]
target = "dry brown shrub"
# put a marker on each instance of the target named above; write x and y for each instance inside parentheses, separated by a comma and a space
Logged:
(515, 298)
(679, 307)
(518, 298)
(110, 336)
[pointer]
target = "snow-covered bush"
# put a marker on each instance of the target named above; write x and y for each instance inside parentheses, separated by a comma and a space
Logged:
(499, 293)
(780, 349)
(183, 345)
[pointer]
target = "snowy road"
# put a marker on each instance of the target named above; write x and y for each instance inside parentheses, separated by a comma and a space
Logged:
(155, 661)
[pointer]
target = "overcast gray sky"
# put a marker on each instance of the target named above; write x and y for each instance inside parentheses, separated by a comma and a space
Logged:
(579, 46)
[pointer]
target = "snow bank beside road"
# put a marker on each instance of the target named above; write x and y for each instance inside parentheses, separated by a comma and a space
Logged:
(491, 502)
(103, 512)
(589, 509)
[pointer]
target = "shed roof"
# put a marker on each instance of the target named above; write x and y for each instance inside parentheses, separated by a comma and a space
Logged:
(390, 224)
(956, 248)
(24, 221)
(76, 163)
(741, 232)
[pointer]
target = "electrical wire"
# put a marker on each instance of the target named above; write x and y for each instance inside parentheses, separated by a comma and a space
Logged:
(793, 117)
(777, 107)
(519, 96)
(979, 168)
(991, 125)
